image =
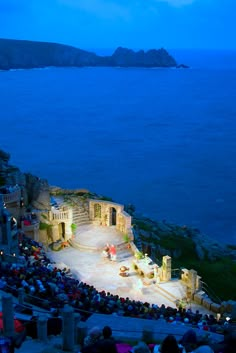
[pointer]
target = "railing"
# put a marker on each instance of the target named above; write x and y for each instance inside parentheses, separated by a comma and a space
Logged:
(60, 215)
(12, 196)
(210, 293)
(11, 258)
(29, 227)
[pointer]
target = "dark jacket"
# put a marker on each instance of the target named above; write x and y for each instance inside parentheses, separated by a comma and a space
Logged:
(107, 345)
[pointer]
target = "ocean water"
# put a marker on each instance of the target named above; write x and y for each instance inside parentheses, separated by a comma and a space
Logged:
(161, 139)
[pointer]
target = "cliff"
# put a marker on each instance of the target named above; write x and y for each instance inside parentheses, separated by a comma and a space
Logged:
(23, 54)
(35, 191)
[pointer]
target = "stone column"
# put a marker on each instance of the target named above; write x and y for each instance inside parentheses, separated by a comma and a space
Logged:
(42, 328)
(192, 280)
(55, 233)
(82, 332)
(8, 315)
(68, 334)
(68, 232)
(156, 274)
(76, 325)
(166, 268)
(36, 233)
(21, 294)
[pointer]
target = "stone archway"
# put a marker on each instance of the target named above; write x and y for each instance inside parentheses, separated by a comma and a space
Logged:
(61, 229)
(113, 216)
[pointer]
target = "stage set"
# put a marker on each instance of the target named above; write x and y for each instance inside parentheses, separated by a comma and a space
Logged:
(88, 263)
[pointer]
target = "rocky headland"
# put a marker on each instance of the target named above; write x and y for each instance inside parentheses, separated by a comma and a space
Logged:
(24, 54)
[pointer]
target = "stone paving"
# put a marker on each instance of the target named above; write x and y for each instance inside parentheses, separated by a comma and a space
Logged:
(91, 267)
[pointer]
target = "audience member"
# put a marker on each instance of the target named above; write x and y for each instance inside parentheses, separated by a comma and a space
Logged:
(203, 349)
(141, 347)
(168, 345)
(93, 336)
(189, 340)
(107, 344)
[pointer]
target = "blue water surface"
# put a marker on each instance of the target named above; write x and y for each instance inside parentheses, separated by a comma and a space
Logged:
(162, 139)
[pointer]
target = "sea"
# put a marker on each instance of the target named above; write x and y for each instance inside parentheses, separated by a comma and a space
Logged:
(161, 139)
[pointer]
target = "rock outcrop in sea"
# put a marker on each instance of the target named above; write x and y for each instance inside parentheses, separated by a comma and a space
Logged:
(24, 54)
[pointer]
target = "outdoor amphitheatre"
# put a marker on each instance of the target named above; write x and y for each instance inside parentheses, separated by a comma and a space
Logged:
(63, 248)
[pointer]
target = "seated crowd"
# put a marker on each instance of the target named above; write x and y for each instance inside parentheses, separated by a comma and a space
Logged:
(101, 341)
(55, 287)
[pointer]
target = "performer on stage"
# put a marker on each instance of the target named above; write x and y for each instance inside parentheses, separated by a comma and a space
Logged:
(113, 252)
(106, 251)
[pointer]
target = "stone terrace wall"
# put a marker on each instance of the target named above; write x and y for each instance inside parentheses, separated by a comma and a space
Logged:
(108, 213)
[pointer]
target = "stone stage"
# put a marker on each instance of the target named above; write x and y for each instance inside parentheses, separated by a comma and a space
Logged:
(96, 237)
(88, 265)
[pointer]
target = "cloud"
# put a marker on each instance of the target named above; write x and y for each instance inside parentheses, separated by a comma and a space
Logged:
(101, 8)
(177, 3)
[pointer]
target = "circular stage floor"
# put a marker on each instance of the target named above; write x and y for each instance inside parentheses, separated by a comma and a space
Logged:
(98, 236)
(91, 267)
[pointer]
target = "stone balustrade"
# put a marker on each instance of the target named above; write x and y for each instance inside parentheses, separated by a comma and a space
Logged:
(12, 196)
(60, 215)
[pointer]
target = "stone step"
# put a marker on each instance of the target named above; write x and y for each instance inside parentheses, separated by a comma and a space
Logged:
(165, 294)
(82, 215)
(81, 223)
(80, 211)
(76, 216)
(79, 207)
(81, 220)
(128, 328)
(81, 247)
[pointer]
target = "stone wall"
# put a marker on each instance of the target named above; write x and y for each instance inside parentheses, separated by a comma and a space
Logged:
(8, 231)
(101, 213)
(59, 225)
(108, 214)
(193, 285)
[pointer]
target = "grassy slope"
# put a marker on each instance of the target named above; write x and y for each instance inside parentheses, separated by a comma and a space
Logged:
(219, 275)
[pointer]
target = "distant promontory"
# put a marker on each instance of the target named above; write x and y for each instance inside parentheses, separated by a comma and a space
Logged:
(24, 54)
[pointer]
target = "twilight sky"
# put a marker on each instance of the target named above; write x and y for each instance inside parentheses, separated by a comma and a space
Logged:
(207, 24)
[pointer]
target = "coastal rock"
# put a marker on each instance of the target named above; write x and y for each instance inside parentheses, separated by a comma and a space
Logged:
(205, 247)
(38, 191)
(200, 252)
(24, 54)
(56, 190)
(182, 66)
(4, 156)
(124, 57)
(145, 234)
(29, 54)
(9, 174)
(163, 227)
(34, 190)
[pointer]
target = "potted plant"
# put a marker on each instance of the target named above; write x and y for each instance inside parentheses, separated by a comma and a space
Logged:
(73, 228)
(126, 239)
(139, 255)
